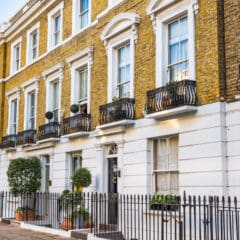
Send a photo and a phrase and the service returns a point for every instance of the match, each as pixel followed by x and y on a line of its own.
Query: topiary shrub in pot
pixel 24 178
pixel 74 108
pixel 49 115
pixel 82 178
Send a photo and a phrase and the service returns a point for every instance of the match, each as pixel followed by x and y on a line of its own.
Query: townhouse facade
pixel 135 91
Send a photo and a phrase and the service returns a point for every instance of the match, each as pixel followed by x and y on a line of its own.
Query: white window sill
pixel 54 47
pixel 174 112
pixel 116 124
pixel 76 135
pixel 48 140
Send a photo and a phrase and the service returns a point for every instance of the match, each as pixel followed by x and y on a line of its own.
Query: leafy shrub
pixel 24 175
pixel 82 177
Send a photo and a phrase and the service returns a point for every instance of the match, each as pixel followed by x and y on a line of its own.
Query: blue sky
pixel 9 7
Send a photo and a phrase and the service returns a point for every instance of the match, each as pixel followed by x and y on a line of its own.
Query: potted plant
pixel 25 213
pixel 24 177
pixel 164 202
pixel 81 178
pixel 49 115
pixel 74 213
pixel 74 108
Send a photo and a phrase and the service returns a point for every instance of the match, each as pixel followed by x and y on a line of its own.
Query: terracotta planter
pixel 25 216
pixel 67 224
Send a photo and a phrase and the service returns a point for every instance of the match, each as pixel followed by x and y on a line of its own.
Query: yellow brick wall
pixel 207 57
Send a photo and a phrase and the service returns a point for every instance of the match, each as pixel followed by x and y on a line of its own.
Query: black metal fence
pixel 130 217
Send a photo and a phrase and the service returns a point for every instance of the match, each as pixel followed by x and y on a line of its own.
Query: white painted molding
pixel 88 51
pixel 2 80
pixel 16 90
pixel 120 23
pixel 33 81
pixel 156 6
pixel 58 67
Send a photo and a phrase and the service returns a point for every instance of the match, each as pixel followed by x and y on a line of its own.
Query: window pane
pixel 13 117
pixel 162 183
pixel 161 159
pixel 84 5
pixel 84 20
pixel 184 49
pixel 174 183
pixel 57 23
pixel 76 161
pixel 57 26
pixel 183 26
pixel 83 76
pixel 173 31
pixel 173 53
pixel 173 153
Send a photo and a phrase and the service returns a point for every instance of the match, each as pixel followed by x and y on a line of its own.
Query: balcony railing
pixel 77 123
pixel 49 130
pixel 119 110
pixel 171 96
pixel 8 141
pixel 26 137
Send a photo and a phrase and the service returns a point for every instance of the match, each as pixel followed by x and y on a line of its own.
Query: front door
pixel 112 190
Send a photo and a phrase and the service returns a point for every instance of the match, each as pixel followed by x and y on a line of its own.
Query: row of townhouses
pixel 143 93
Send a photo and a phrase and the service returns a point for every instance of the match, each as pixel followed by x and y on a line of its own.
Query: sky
pixel 9 7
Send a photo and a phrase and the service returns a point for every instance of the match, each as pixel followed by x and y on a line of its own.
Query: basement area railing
pixel 118 217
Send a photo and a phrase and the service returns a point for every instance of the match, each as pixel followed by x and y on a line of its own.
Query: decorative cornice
pixel 14 91
pixel 120 23
pixel 33 81
pixel 88 51
pixel 156 6
pixel 58 67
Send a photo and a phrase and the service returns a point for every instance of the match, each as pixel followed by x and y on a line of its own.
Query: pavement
pixel 13 232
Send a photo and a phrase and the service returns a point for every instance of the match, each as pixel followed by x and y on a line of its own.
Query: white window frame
pixel 82 59
pixel 28 87
pixel 161 21
pixel 15 44
pixel 76 24
pixel 52 75
pixel 30 32
pixel 114 37
pixel 164 171
pixel 12 96
pixel 58 10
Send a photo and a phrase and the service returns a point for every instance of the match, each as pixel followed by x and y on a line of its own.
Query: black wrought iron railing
pixel 8 141
pixel 77 123
pixel 118 217
pixel 118 110
pixel 26 137
pixel 49 130
pixel 171 96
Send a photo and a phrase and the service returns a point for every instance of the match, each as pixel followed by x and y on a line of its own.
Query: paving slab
pixel 12 232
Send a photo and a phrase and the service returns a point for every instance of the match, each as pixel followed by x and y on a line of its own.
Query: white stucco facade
pixel 208 153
